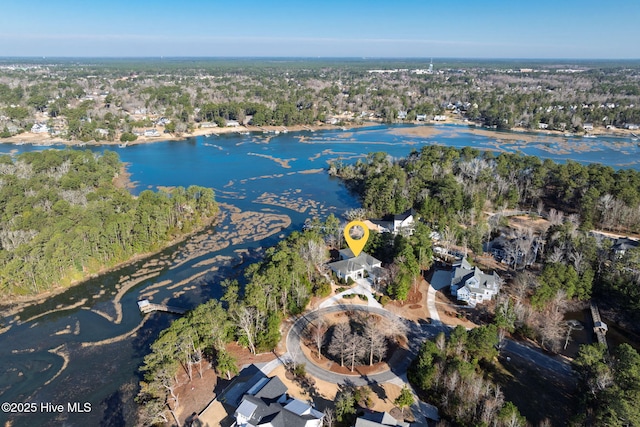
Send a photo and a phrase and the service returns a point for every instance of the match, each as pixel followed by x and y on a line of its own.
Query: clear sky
pixel 346 28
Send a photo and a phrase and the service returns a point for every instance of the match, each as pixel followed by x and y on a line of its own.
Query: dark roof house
pixel 265 403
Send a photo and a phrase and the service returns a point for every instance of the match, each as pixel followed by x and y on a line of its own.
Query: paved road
pixel 417 334
pixel 542 360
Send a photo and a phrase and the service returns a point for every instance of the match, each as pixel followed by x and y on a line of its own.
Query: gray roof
pixel 362 261
pixel 379 419
pixel 241 384
pixel 274 413
pixel 463 271
pixel 625 243
pixel 274 389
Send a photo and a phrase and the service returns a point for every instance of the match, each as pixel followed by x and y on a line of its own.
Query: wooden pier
pixel 599 327
pixel 147 307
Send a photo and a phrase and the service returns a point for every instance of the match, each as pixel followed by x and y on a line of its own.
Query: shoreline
pixel 420 129
pixel 11 305
pixel 46 140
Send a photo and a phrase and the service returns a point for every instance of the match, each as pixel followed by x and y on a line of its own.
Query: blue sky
pixel 426 28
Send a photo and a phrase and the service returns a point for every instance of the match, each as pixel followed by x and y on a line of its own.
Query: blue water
pixel 236 166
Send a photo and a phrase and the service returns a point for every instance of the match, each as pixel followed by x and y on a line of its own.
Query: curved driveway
pixel 416 334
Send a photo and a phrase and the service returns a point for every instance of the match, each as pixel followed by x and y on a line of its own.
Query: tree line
pixel 249 313
pixel 62 218
pixel 450 373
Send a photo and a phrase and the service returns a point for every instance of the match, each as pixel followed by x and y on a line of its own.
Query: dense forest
pixel 610 386
pixel 62 218
pixel 448 372
pixel 465 195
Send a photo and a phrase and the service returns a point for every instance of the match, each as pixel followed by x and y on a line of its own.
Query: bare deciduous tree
pixel 245 318
pixel 318 329
pixel 338 345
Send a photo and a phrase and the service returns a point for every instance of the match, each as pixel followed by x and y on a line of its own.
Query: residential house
pixel 331 120
pixel 587 126
pixel 379 419
pixel 631 126
pixel 472 285
pixel 259 401
pixel 622 245
pixel 151 132
pixel 232 123
pixel 401 223
pixel 402 115
pixel 543 125
pixel 40 128
pixel 421 117
pixel 350 267
pixel 440 118
pixel 404 222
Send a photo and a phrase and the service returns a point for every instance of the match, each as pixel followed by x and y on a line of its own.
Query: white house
pixel 421 117
pixel 40 128
pixel 472 285
pixel 401 223
pixel 402 115
pixel 350 267
pixel 587 126
pixel 232 123
pixel 151 132
pixel 440 118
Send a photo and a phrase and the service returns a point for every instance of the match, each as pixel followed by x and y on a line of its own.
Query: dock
pixel 147 307
pixel 599 327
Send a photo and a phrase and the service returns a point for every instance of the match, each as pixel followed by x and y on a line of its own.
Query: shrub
pixel 384 300
pixel 300 370
pixel 128 137
pixel 323 290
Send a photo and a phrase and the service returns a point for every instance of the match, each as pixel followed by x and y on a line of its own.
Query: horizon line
pixel 352 57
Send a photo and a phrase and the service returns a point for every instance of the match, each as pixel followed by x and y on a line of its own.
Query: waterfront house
pixel 439 118
pixel 543 125
pixel 471 285
pixel 421 117
pixel 151 132
pixel 40 128
pixel 350 267
pixel 232 123
pixel 402 115
pixel 587 126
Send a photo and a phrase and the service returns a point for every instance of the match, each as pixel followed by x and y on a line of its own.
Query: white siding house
pixel 472 285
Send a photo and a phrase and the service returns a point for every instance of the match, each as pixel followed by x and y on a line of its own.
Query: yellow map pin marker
pixel 356 245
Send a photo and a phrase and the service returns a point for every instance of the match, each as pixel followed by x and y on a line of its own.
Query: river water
pixel 85 345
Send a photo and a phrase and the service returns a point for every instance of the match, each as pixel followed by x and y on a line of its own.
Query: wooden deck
pixel 147 307
pixel 599 327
